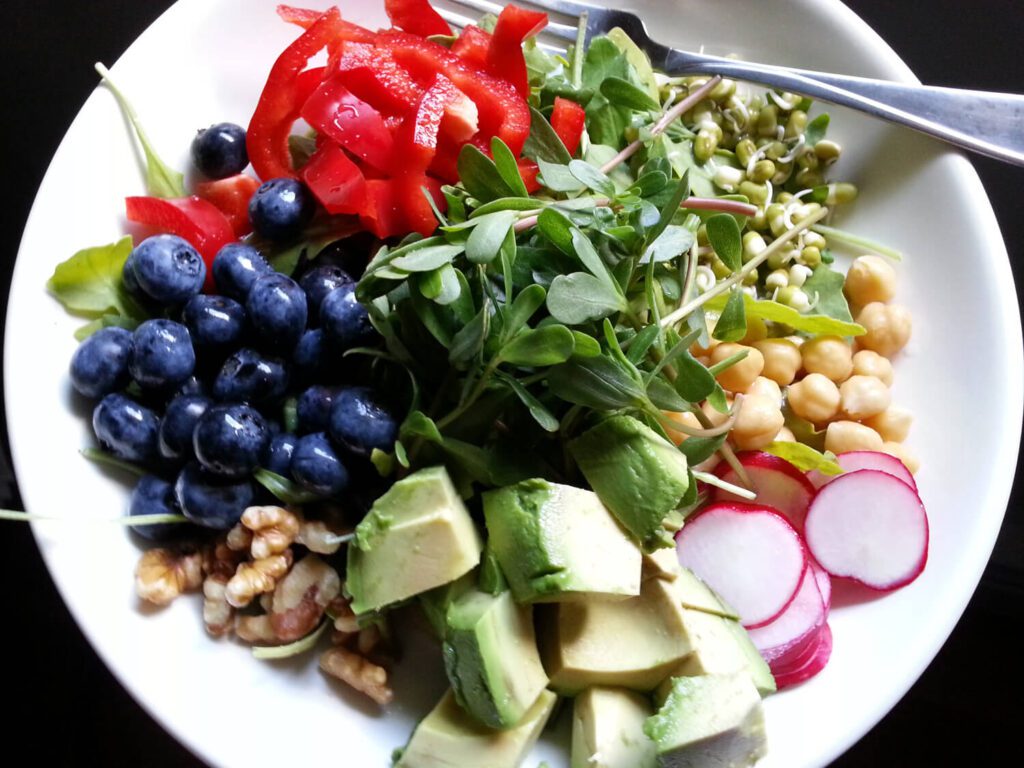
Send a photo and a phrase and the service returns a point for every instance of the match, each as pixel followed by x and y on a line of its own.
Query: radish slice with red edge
pixel 824 582
pixel 778 484
pixel 871 527
pixel 852 461
pixel 811 665
pixel 748 554
pixel 794 626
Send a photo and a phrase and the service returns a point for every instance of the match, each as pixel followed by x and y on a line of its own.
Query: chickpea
pixel 785 435
pixel 684 417
pixel 757 424
pixel 830 356
pixel 868 363
pixel 869 279
pixel 863 396
pixel 893 424
pixel 766 388
pixel 698 351
pixel 843 436
pixel 712 413
pixel 781 359
pixel 815 398
pixel 900 451
pixel 888 328
pixel 740 376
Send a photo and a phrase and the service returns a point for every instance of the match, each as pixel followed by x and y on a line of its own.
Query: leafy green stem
pixel 473 396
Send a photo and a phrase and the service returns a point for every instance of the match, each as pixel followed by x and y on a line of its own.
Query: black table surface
pixel 66 708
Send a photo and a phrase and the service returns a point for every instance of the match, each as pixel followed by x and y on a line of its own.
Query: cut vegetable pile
pixel 546 353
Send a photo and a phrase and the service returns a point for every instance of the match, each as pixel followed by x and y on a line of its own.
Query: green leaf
pixel 282 488
pixel 603 60
pixel 825 289
pixel 804 458
pixel 480 177
pixel 522 308
pixel 623 93
pixel 468 342
pixel 543 143
pixel 717 399
pixel 579 298
pixel 815 130
pixel 586 345
pixel 540 347
pixel 558 178
pixel 698 449
pixel 556 227
pixel 804 431
pixel 418 424
pixel 592 177
pixel 587 253
pixel 105 321
pixel 487 236
pixel 668 212
pixel 650 183
pixel 90 284
pixel 161 179
pixel 664 396
pixel 694 382
pixel 732 323
pixel 540 414
pixel 642 342
pixel 508 167
pixel 504 204
pixel 451 288
pixel 724 236
pixel 598 382
pixel 427 259
pixel 637 59
pixel 766 309
pixel 383 462
pixel 100 456
pixel 671 243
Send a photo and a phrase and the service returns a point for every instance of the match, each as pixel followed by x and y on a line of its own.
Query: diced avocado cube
pixel 492 580
pixel 635 643
pixel 713 720
pixel 434 603
pixel 555 542
pixel 661 564
pixel 692 592
pixel 639 475
pixel 491 656
pixel 448 737
pixel 416 537
pixel 608 730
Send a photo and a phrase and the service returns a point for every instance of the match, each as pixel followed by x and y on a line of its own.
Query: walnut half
pixel 301 597
pixel 358 672
pixel 162 574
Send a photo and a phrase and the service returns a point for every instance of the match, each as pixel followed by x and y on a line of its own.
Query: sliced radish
pixel 871 527
pixel 824 582
pixel 748 554
pixel 811 664
pixel 851 461
pixel 778 484
pixel 794 626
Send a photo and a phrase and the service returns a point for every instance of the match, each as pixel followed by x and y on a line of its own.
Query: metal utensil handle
pixel 988 123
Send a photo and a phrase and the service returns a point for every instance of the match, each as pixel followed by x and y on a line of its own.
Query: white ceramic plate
pixel 205 61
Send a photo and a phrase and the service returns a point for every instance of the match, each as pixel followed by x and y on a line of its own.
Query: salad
pixel 547 355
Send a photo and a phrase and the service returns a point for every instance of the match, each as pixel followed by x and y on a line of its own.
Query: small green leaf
pixel 487 236
pixel 108 459
pixel 90 284
pixel 664 396
pixel 540 414
pixel 451 288
pixel 105 321
pixel 586 345
pixel 468 342
pixel 507 167
pixel 639 60
pixel 804 458
pixel 427 259
pixel 504 204
pixel 671 243
pixel 668 212
pixel 480 177
pixel 540 347
pixel 543 143
pixel 623 93
pixel 724 236
pixel 592 177
pixel 642 342
pixel 522 308
pixel 556 227
pixel 698 449
pixel 587 253
pixel 418 424
pixel 603 60
pixel 383 462
pixel 558 178
pixel 816 129
pixel 766 309
pixel 598 382
pixel 732 323
pixel 825 289
pixel 579 298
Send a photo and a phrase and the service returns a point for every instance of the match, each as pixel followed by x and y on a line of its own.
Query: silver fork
pixel 981 121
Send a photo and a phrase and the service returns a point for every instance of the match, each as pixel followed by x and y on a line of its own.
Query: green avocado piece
pixel 417 536
pixel 641 477
pixel 491 657
pixel 712 720
pixel 692 592
pixel 556 543
pixel 434 603
pixel 608 730
pixel 449 738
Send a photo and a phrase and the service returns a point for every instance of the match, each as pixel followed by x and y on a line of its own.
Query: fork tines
pixel 572 10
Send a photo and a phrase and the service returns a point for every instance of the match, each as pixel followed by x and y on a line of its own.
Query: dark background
pixel 968 706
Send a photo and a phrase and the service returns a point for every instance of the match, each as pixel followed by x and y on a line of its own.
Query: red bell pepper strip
pixel 529 171
pixel 375 77
pixel 417 138
pixel 191 218
pixel 417 17
pixel 281 100
pixel 472 45
pixel 568 119
pixel 231 197
pixel 398 206
pixel 335 180
pixel 505 55
pixel 335 112
pixel 304 17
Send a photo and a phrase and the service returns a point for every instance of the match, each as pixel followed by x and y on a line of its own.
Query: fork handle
pixel 981 121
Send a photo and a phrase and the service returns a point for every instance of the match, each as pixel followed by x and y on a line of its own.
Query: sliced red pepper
pixel 529 171
pixel 568 119
pixel 231 197
pixel 192 218
pixel 335 180
pixel 375 77
pixel 398 206
pixel 417 17
pixel 472 45
pixel 417 140
pixel 304 17
pixel 505 55
pixel 281 100
pixel 334 111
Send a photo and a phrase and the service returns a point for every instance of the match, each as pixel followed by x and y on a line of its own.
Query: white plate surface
pixel 203 62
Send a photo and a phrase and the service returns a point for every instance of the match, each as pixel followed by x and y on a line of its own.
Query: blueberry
pixel 168 269
pixel 277 310
pixel 230 440
pixel 162 356
pixel 178 424
pixel 154 496
pixel 361 423
pixel 193 385
pixel 249 377
pixel 316 466
pixel 344 318
pixel 235 269
pixel 126 429
pixel 100 364
pixel 214 322
pixel 320 281
pixel 219 151
pixel 281 208
pixel 211 501
pixel 313 408
pixel 278 458
pixel 312 356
